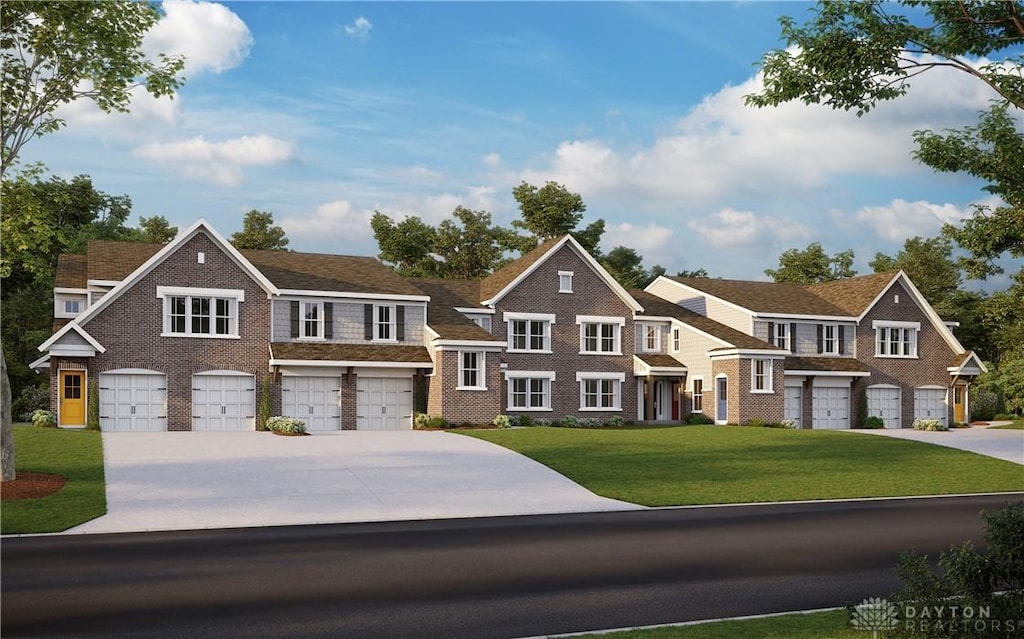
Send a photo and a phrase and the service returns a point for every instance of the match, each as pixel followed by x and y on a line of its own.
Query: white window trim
pixel 303 309
pixel 643 338
pixel 549 320
pixel 392 324
pixel 234 296
pixel 618 378
pixel 768 374
pixel 824 338
pixel 787 339
pixel 676 339
pixel 597 320
pixel 546 375
pixel 693 393
pixel 60 301
pixel 562 275
pixel 481 370
pixel 483 321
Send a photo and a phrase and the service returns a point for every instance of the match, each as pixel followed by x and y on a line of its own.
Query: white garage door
pixel 930 403
pixel 884 402
pixel 223 400
pixel 384 403
pixel 315 400
pixel 831 407
pixel 794 404
pixel 133 401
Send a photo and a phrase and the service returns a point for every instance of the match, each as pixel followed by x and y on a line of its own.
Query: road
pixel 473 578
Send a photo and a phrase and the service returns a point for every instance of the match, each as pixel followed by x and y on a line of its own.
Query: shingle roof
pixel 655 306
pixel 72 271
pixel 322 272
pixel 350 352
pixel 853 295
pixel 496 281
pixel 109 260
pixel 660 360
pixel 442 317
pixel 839 364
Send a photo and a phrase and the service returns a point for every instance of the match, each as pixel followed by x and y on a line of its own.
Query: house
pixel 865 346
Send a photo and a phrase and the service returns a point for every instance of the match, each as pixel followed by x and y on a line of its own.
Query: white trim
pixel 768 374
pixel 931 387
pixel 221 373
pixel 103 283
pixel 597 320
pixel 71 291
pixel 346 363
pixel 564 274
pixel 517 374
pixel 186 291
pixel 474 309
pixel 547 318
pixel 73 325
pixel 207 336
pixel 38 364
pixel 894 324
pixel 693 393
pixel 677 338
pixel 829 373
pixel 645 328
pixel 600 319
pixel 620 378
pixel 969 355
pixel 507 316
pixel 548 376
pixel 454 344
pixel 581 375
pixel 923 304
pixel 133 371
pixel 882 386
pixel 749 352
pixel 481 371
pixel 295 292
pixel 813 318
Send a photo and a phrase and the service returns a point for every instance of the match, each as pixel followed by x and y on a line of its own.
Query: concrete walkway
pixel 181 481
pixel 1001 444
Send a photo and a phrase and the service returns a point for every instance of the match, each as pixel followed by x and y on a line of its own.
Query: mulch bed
pixel 31 486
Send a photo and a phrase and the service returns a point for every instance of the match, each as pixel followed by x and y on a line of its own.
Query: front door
pixel 72 398
pixel 662 399
pixel 958 404
pixel 722 399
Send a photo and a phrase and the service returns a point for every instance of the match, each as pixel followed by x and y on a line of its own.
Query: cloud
pixel 209 35
pixel 338 219
pixel 143 108
pixel 219 162
pixel 732 229
pixel 900 219
pixel 360 29
pixel 652 241
pixel 491 160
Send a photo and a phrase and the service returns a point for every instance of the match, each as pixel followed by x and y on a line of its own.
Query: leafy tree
pixel 405 245
pixel 258 232
pixel 812 266
pixel 701 272
pixel 152 230
pixel 626 266
pixel 854 53
pixel 1003 316
pixel 552 211
pixel 929 264
pixel 54 53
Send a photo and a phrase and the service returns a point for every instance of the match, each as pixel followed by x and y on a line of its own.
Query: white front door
pixel 930 403
pixel 722 400
pixel 314 400
pixel 793 410
pixel 662 400
pixel 830 407
pixel 135 401
pixel 384 403
pixel 885 402
pixel 223 401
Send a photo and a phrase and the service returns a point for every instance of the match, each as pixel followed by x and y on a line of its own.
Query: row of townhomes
pixel 187 335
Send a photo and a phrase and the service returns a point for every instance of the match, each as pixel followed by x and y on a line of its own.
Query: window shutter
pixel 771 333
pixel 842 344
pixel 792 337
pixel 821 339
pixel 400 323
pixel 328 320
pixel 368 321
pixel 295 318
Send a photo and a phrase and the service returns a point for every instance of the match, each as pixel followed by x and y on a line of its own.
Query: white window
pixel 830 339
pixel 782 336
pixel 675 340
pixel 565 281
pixel 72 307
pixel 599 337
pixel 761 376
pixel 312 320
pixel 384 323
pixel 530 335
pixel 200 316
pixel 698 395
pixel 530 391
pixel 650 338
pixel 600 394
pixel 896 339
pixel 483 321
pixel 471 370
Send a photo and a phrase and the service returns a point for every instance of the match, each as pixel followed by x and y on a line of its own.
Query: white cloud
pixel 652 241
pixel 143 108
pixel 900 219
pixel 219 162
pixel 338 219
pixel 360 29
pixel 491 160
pixel 209 35
pixel 732 229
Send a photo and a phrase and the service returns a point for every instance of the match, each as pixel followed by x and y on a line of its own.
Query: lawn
pixel 682 465
pixel 78 456
pixel 1018 424
pixel 833 624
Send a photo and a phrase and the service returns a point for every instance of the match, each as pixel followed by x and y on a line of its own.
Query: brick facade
pixel 465 406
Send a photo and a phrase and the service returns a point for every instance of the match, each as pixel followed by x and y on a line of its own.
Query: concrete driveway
pixel 1001 444
pixel 181 481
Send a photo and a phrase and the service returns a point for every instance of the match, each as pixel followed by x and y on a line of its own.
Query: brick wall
pixel 767 406
pixel 731 368
pixel 459 406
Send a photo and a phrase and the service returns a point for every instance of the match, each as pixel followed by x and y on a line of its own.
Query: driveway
pixel 1001 444
pixel 181 481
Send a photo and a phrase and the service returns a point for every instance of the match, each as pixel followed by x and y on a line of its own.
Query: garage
pixel 133 400
pixel 930 403
pixel 884 401
pixel 315 400
pixel 793 410
pixel 831 407
pixel 223 400
pixel 384 403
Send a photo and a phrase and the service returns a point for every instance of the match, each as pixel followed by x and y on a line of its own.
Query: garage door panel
pixel 315 400
pixel 223 402
pixel 830 407
pixel 930 403
pixel 887 404
pixel 135 401
pixel 793 410
pixel 384 403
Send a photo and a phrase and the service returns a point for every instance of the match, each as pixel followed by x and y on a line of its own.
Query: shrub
pixel 755 422
pixel 694 419
pixel 615 421
pixel 92 413
pixel 1004 417
pixel 286 425
pixel 421 420
pixel 543 421
pixel 440 422
pixel 873 421
pixel 929 424
pixel 31 399
pixel 502 421
pixel 526 420
pixel 984 405
pixel 44 419
pixel 264 409
pixel 515 421
pixel 568 422
pixel 787 423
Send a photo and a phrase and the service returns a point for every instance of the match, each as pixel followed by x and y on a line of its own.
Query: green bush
pixel 985 405
pixel 263 412
pixel 873 421
pixel 929 424
pixel 92 414
pixel 755 422
pixel 502 421
pixel 1003 417
pixel 31 399
pixel 421 420
pixel 437 422
pixel 286 425
pixel 615 421
pixel 695 419
pixel 44 419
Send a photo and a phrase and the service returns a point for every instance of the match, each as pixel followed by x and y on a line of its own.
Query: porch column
pixel 649 398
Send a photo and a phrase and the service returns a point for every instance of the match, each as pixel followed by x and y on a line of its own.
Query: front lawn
pixel 1017 424
pixel 74 454
pixel 833 624
pixel 683 465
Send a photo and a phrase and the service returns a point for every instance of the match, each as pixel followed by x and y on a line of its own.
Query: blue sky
pixel 324 112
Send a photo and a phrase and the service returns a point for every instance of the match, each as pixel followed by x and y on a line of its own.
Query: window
pixel 697 396
pixel 483 321
pixel 896 339
pixel 830 337
pixel 675 340
pixel 471 370
pixel 384 323
pixel 178 314
pixel 599 338
pixel 201 315
pixel 222 316
pixel 761 376
pixel 529 393
pixel 565 281
pixel 650 338
pixel 72 307
pixel 312 320
pixel 530 335
pixel 599 394
pixel 778 335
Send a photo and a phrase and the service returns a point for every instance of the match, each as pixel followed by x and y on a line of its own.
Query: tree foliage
pixel 259 233
pixel 553 211
pixel 812 266
pixel 54 53
pixel 626 266
pixel 929 264
pixel 152 230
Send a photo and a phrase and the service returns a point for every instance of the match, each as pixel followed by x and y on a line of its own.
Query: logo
pixel 875 614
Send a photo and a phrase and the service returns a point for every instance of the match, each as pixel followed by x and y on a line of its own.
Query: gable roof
pixel 854 295
pixel 445 297
pixel 71 271
pixel 497 281
pixel 114 261
pixel 335 273
pixel 764 297
pixel 657 307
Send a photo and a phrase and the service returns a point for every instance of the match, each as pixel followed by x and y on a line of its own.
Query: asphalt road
pixel 473 578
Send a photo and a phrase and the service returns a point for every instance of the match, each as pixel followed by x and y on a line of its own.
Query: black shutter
pixel 771 333
pixel 368 321
pixel 842 345
pixel 821 339
pixel 328 320
pixel 400 323
pixel 792 337
pixel 295 318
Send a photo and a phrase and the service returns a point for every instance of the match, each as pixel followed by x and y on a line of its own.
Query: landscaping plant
pixel 286 425
pixel 44 419
pixel 929 424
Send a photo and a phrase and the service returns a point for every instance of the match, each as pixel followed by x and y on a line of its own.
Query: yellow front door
pixel 958 404
pixel 72 398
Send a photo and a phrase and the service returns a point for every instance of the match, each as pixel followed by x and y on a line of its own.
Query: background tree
pixel 697 273
pixel 626 266
pixel 54 53
pixel 812 265
pixel 851 54
pixel 929 264
pixel 552 211
pixel 405 246
pixel 473 248
pixel 152 230
pixel 259 233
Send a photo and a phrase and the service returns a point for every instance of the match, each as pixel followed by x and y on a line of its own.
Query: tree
pixel 626 266
pixel 701 272
pixel 7 472
pixel 152 230
pixel 812 266
pixel 406 246
pixel 55 53
pixel 552 211
pixel 854 53
pixel 259 233
pixel 929 264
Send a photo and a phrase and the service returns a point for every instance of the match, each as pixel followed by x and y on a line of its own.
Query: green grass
pixel 833 624
pixel 682 465
pixel 78 456
pixel 1018 424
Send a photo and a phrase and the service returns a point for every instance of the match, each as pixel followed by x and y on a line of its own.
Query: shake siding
pixel 665 332
pixel 348 321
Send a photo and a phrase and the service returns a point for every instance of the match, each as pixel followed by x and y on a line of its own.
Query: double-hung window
pixel 529 332
pixel 650 338
pixel 761 376
pixel 697 397
pixel 896 339
pixel 384 323
pixel 600 391
pixel 600 335
pixel 471 370
pixel 830 339
pixel 675 340
pixel 312 320
pixel 200 312
pixel 782 336
pixel 529 391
